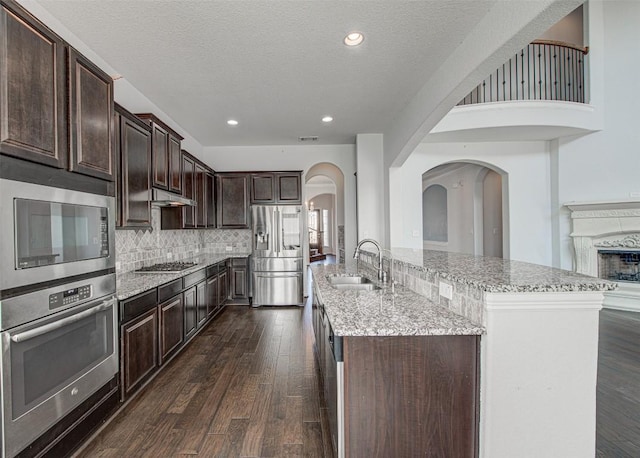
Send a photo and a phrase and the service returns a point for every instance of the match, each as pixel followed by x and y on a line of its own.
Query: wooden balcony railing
pixel 544 70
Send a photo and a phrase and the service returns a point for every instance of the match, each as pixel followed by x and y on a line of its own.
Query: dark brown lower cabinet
pixel 212 294
pixel 171 326
pixel 139 351
pixel 202 301
pixel 239 281
pixel 190 312
pixel 411 396
pixel 223 287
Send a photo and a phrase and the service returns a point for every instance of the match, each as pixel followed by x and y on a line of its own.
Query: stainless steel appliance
pixel 51 233
pixel 277 255
pixel 59 346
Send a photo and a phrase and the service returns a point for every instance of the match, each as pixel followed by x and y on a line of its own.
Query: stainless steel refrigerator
pixel 277 254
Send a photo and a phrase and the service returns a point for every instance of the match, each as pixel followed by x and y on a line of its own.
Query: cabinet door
pixel 210 198
pixel 160 156
pixel 171 326
pixel 201 214
pixel 223 288
pixel 202 302
pixel 289 188
pixel 188 191
pixel 91 114
pixel 190 312
pixel 330 385
pixel 175 165
pixel 233 200
pixel 139 340
pixel 212 295
pixel 263 190
pixel 134 180
pixel 33 106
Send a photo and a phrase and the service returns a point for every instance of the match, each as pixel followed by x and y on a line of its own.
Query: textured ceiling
pixel 277 67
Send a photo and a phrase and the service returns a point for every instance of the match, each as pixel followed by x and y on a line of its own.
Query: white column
pixel 371 186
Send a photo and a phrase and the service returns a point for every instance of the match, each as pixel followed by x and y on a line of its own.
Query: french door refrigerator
pixel 277 254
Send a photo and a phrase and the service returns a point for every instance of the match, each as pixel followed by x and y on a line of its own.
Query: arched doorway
pixel 324 199
pixel 464 209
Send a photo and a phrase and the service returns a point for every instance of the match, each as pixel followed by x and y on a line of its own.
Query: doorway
pixel 463 209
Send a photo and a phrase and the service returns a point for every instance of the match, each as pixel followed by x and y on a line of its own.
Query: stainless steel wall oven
pixel 58 312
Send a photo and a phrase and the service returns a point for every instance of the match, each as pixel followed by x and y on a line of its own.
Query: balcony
pixel 544 70
pixel 539 94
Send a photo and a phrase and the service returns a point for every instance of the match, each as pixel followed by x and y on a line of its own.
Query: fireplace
pixel 606 239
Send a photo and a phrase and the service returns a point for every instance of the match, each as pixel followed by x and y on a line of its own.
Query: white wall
pixel 371 191
pixel 528 221
pixel 605 165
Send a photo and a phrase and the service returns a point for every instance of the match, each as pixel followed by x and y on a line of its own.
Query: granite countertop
pixel 497 275
pixel 383 313
pixel 129 284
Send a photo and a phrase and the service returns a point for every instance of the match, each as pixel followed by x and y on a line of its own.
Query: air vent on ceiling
pixel 310 138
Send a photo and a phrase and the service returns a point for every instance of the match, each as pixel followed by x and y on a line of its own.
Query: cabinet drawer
pixel 192 279
pixel 168 290
pixel 131 308
pixel 239 262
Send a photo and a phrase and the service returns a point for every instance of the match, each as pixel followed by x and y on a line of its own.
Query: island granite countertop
pixel 128 284
pixel 383 313
pixel 497 275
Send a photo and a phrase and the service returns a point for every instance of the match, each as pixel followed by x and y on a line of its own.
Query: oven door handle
pixel 27 335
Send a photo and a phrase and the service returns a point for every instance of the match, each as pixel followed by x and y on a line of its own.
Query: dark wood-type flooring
pixel 248 385
pixel 618 404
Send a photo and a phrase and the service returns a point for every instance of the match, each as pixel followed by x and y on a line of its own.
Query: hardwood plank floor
pixel 618 390
pixel 247 385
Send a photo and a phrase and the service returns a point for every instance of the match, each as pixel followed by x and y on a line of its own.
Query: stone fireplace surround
pixel 606 225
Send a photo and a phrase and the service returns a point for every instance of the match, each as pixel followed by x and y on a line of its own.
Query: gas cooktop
pixel 166 267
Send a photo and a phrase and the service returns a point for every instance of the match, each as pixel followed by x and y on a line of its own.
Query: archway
pixel 324 186
pixel 465 209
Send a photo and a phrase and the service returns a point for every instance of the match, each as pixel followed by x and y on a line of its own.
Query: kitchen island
pixel 400 372
pixel 538 354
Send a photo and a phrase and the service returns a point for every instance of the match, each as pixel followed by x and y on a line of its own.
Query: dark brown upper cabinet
pixel 232 200
pixel 210 197
pixel 276 188
pixel 288 187
pixel 56 106
pixel 33 111
pixel 263 190
pixel 201 198
pixel 189 191
pixel 166 157
pixel 91 115
pixel 133 156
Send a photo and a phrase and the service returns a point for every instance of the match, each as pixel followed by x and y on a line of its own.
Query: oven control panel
pixel 70 296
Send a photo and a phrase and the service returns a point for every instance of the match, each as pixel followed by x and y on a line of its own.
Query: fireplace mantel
pixel 606 224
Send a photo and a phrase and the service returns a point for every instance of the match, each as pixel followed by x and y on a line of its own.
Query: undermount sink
pixel 357 283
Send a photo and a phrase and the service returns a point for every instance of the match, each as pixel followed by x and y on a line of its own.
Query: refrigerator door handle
pixel 276 230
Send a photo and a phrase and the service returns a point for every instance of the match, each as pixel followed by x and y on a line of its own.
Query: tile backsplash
pixel 138 248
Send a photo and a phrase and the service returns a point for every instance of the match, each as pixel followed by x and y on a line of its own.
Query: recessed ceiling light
pixel 327 119
pixel 353 39
pixel 232 122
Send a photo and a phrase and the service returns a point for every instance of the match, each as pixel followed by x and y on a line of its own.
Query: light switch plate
pixel 446 290
pixel 228 248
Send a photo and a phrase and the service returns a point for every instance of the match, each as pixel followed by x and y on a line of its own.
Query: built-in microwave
pixel 49 234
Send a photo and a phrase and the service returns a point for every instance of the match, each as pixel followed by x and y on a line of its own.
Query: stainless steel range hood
pixel 162 198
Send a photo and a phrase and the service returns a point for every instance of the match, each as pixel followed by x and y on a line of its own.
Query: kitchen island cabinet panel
pixel 33 113
pixel 91 114
pixel 427 384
